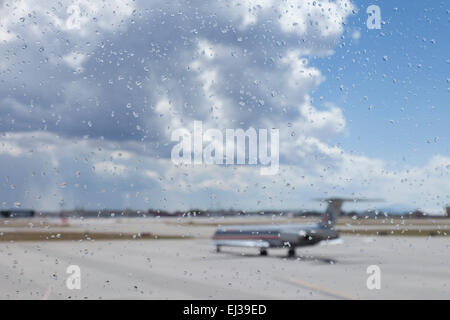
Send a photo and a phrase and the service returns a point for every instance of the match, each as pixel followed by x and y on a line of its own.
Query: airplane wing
pixel 243 243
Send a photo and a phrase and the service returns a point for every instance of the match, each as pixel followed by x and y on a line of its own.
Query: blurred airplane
pixel 287 236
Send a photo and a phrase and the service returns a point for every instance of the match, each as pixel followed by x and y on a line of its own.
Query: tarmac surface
pixel 411 268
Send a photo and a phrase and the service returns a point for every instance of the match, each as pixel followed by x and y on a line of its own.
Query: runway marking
pixel 327 291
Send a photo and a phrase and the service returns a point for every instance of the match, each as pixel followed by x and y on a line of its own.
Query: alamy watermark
pixel 374 18
pixel 250 147
pixel 74 280
pixel 374 278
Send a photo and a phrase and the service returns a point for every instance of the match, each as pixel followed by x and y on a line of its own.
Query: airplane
pixel 288 236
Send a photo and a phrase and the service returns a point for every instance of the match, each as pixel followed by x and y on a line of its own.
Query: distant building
pixel 17 213
pixel 417 214
pixel 448 211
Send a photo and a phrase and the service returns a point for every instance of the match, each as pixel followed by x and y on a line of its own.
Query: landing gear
pixel 291 252
pixel 262 252
pixel 217 248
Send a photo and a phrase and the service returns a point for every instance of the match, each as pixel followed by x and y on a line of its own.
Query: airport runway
pixel 411 268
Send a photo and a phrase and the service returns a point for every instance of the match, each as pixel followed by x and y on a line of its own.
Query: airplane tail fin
pixel 333 210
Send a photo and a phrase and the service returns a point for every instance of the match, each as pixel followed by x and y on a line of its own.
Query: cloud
pixel 97 173
pixel 130 70
pixel 92 90
pixel 75 61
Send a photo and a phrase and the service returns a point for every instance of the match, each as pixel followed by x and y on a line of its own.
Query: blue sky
pixel 410 88
pixel 91 92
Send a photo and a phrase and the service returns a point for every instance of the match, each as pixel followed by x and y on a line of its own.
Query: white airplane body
pixel 287 236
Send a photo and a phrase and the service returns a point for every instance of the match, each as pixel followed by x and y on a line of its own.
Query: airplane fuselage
pixel 288 236
pixel 273 236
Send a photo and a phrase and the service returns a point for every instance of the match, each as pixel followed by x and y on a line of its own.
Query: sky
pixel 91 91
